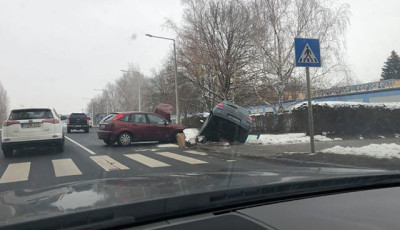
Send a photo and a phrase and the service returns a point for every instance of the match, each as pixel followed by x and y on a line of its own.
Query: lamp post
pixel 178 117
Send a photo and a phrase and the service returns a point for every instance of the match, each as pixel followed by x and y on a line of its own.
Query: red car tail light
pixel 68 120
pixel 52 120
pixel 10 122
pixel 220 105
pixel 249 118
pixel 119 116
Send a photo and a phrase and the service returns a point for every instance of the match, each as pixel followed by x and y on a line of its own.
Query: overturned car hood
pixel 28 204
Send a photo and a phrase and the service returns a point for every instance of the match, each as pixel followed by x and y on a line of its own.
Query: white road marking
pixel 88 150
pixel 178 157
pixel 107 163
pixel 65 167
pixel 16 172
pixel 167 146
pixel 230 160
pixel 196 152
pixel 147 160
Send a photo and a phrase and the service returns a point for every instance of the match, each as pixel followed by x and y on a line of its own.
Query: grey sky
pixel 54 53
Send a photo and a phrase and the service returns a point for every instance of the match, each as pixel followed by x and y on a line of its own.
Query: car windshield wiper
pixel 213 201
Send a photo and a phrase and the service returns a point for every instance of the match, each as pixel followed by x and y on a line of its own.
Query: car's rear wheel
pixel 68 130
pixel 109 142
pixel 60 147
pixel 86 130
pixel 124 139
pixel 8 152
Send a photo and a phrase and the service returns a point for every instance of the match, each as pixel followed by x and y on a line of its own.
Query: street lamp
pixel 178 117
pixel 140 86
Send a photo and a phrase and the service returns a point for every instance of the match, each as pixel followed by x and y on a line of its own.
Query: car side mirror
pixel 63 118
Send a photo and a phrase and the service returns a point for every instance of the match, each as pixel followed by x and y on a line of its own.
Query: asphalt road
pixel 88 158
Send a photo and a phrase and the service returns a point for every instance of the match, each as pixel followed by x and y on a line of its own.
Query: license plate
pixel 234 118
pixel 78 126
pixel 102 126
pixel 30 125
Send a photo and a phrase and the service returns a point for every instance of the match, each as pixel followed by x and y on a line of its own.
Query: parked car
pixel 31 128
pixel 78 121
pixel 227 121
pixel 126 127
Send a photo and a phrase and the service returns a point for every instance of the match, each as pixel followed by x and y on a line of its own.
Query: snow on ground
pixel 380 151
pixel 190 133
pixel 335 104
pixel 288 138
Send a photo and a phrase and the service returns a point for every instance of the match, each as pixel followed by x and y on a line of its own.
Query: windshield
pixel 158 99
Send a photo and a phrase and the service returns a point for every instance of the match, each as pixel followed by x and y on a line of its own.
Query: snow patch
pixel 190 134
pixel 288 138
pixel 382 137
pixel 380 151
pixel 337 104
pixel 337 139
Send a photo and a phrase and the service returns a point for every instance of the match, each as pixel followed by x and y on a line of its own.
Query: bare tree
pixel 4 104
pixel 275 24
pixel 214 48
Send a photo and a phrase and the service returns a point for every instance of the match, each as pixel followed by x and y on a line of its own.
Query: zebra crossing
pixel 18 172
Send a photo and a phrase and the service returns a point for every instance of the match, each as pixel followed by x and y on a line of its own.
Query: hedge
pixel 346 118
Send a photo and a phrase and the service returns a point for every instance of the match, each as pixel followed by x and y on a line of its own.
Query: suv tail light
pixel 220 105
pixel 52 120
pixel 119 116
pixel 10 122
pixel 249 118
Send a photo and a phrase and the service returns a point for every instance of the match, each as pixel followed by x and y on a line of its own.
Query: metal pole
pixel 92 114
pixel 140 97
pixel 178 117
pixel 310 111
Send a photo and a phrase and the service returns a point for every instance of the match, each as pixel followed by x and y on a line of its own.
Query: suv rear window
pixel 78 115
pixel 28 114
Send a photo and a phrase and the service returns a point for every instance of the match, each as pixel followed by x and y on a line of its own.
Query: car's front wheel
pixel 8 152
pixel 124 139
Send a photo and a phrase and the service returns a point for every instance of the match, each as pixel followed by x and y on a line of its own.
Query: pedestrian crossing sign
pixel 307 52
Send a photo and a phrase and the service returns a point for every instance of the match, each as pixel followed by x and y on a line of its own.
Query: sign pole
pixel 310 111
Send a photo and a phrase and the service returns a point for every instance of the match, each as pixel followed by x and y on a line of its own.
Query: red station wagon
pixel 126 127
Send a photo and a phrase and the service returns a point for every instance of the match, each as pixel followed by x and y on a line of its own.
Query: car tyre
pixel 243 137
pixel 124 139
pixel 8 152
pixel 109 142
pixel 68 130
pixel 86 130
pixel 60 146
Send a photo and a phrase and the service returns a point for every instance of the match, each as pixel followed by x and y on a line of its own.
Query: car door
pixel 159 131
pixel 139 127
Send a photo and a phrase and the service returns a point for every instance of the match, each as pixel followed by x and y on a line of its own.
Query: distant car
pixel 31 128
pixel 227 121
pixel 126 127
pixel 78 121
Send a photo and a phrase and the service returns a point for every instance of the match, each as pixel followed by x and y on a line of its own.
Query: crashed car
pixel 227 121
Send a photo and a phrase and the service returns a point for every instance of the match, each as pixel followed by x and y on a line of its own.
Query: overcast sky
pixel 54 53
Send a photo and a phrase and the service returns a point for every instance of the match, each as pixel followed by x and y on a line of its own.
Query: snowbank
pixel 337 104
pixel 190 133
pixel 381 151
pixel 288 138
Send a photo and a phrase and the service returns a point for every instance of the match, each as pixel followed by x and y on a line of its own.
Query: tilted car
pixel 126 127
pixel 227 121
pixel 31 128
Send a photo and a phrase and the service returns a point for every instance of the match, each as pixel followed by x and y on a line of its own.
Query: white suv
pixel 31 128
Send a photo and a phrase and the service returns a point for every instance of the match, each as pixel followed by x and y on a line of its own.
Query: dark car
pixel 227 121
pixel 78 121
pixel 126 127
